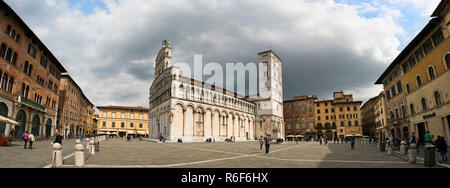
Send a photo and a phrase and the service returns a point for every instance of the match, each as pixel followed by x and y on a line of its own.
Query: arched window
pixel 14 59
pixel 17 39
pixel 408 88
pixel 13 33
pixel 437 97
pixel 4 81
pixel 8 30
pixel 424 104
pixel 30 69
pixel 8 55
pixel 419 81
pixel 10 84
pixel 412 108
pixel 3 51
pixel 25 67
pixel 431 73
pixel 447 60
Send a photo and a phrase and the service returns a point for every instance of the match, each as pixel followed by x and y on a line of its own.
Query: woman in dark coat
pixel 442 149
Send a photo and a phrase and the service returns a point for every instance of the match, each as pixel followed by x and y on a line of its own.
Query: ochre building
pixel 417 83
pixel 338 118
pixel 122 121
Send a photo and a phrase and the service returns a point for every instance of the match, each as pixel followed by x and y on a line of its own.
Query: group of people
pixel 439 143
pixel 265 141
pixel 441 146
pixel 210 140
pixel 29 138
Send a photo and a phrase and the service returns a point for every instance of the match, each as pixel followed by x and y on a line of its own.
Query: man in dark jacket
pixel 442 148
pixel 267 140
pixel 58 138
pixel 352 142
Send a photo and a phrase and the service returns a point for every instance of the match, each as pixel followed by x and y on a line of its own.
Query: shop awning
pixel 142 132
pixel 131 132
pixel 7 120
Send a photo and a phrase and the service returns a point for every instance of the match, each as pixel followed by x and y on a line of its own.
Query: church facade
pixel 192 110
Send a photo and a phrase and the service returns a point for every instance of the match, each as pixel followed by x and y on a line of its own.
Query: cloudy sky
pixel 109 46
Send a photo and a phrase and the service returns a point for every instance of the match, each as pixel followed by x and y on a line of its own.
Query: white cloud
pixel 110 53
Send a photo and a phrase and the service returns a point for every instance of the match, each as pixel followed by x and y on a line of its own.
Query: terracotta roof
pixel 260 53
pixel 124 107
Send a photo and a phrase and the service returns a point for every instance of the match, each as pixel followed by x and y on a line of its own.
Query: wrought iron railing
pixel 31 103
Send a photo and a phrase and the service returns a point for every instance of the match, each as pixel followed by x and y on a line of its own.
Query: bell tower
pixel 270 103
pixel 163 60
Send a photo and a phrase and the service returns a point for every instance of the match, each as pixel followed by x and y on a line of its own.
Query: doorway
pixel 421 131
pixel 4 113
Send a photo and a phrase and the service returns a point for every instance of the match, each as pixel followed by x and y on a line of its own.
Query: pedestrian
pixel 352 141
pixel 31 140
pixel 267 142
pixel 25 139
pixel 428 139
pixel 261 142
pixel 442 149
pixel 11 135
pixel 58 138
pixel 320 140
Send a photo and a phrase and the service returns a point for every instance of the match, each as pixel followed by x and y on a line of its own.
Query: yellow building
pixel 90 118
pixel 122 121
pixel 382 130
pixel 425 63
pixel 339 117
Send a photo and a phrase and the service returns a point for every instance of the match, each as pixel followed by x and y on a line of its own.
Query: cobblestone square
pixel 118 153
pixel 123 154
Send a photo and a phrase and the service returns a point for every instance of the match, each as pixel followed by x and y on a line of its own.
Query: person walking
pixel 261 143
pixel 11 135
pixel 58 138
pixel 267 142
pixel 25 139
pixel 442 148
pixel 31 140
pixel 428 139
pixel 352 142
pixel 321 140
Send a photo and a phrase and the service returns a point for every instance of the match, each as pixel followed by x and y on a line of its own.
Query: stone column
pixel 7 130
pixel 92 148
pixel 389 149
pixel 412 154
pixel 79 154
pixel 57 156
pixel 87 143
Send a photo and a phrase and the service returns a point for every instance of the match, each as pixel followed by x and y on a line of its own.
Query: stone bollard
pixel 97 144
pixel 79 154
pixel 92 148
pixel 57 156
pixel 403 147
pixel 87 143
pixel 412 154
pixel 389 150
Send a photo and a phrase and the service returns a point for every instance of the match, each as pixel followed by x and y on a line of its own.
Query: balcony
pixel 31 104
